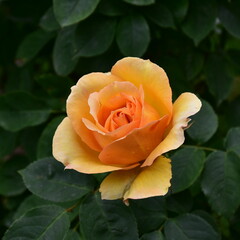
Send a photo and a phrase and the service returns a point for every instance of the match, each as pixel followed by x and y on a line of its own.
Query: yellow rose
pixel 122 122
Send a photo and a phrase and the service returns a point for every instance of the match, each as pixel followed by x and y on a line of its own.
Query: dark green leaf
pixel 160 15
pixel 200 19
pixel 178 8
pixel 30 203
pixel 62 185
pixel 187 164
pixel 44 147
pixel 133 35
pixel 63 51
pixel 102 219
pixel 94 36
pixel 140 2
pixel 113 8
pixel 205 124
pixel 47 222
pixel 48 21
pixel 31 45
pixel 157 235
pixel 189 227
pixel 233 140
pixel 218 79
pixel 220 182
pixel 150 213
pixel 7 142
pixel 229 15
pixel 11 183
pixel 69 12
pixel 20 109
pixel 72 235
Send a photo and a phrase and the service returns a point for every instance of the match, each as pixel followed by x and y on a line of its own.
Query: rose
pixel 122 122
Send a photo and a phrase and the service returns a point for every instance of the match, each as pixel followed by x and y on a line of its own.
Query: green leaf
pixel 229 15
pixel 178 8
pixel 216 72
pixel 140 2
pixel 187 165
pixel 205 123
pixel 68 12
pixel 11 183
pixel 63 51
pixel 200 19
pixel 72 235
pixel 220 182
pixel 133 35
pixel 7 142
pixel 19 110
pixel 160 15
pixel 94 36
pixel 44 147
pixel 28 204
pixel 150 213
pixel 112 8
pixel 233 140
pixel 47 222
pixel 189 227
pixel 156 235
pixel 31 45
pixel 62 185
pixel 102 219
pixel 48 21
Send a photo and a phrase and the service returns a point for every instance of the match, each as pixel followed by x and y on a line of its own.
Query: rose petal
pixel 135 184
pixel 77 104
pixel 136 146
pixel 153 78
pixel 186 105
pixel 69 149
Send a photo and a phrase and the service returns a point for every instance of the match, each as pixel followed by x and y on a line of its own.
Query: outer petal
pixel 136 146
pixel 69 149
pixel 77 104
pixel 153 79
pixel 186 105
pixel 147 182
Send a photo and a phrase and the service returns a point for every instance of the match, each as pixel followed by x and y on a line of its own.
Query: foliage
pixel 46 47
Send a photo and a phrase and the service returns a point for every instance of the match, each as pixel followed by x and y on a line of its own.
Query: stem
pixel 201 147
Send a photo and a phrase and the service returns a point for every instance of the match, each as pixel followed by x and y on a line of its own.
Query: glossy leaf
pixel 204 123
pixel 47 222
pixel 62 185
pixel 189 227
pixel 19 110
pixel 220 182
pixel 48 21
pixel 7 142
pixel 200 19
pixel 69 12
pixel 233 140
pixel 63 51
pixel 187 165
pixel 156 235
pixel 133 35
pixel 140 2
pixel 31 45
pixel 104 219
pixel 94 36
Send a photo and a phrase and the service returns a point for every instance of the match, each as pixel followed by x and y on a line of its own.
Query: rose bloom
pixel 123 122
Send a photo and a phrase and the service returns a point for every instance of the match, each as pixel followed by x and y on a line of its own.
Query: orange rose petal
pixel 77 104
pixel 152 78
pixel 69 149
pixel 135 184
pixel 186 105
pixel 136 146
